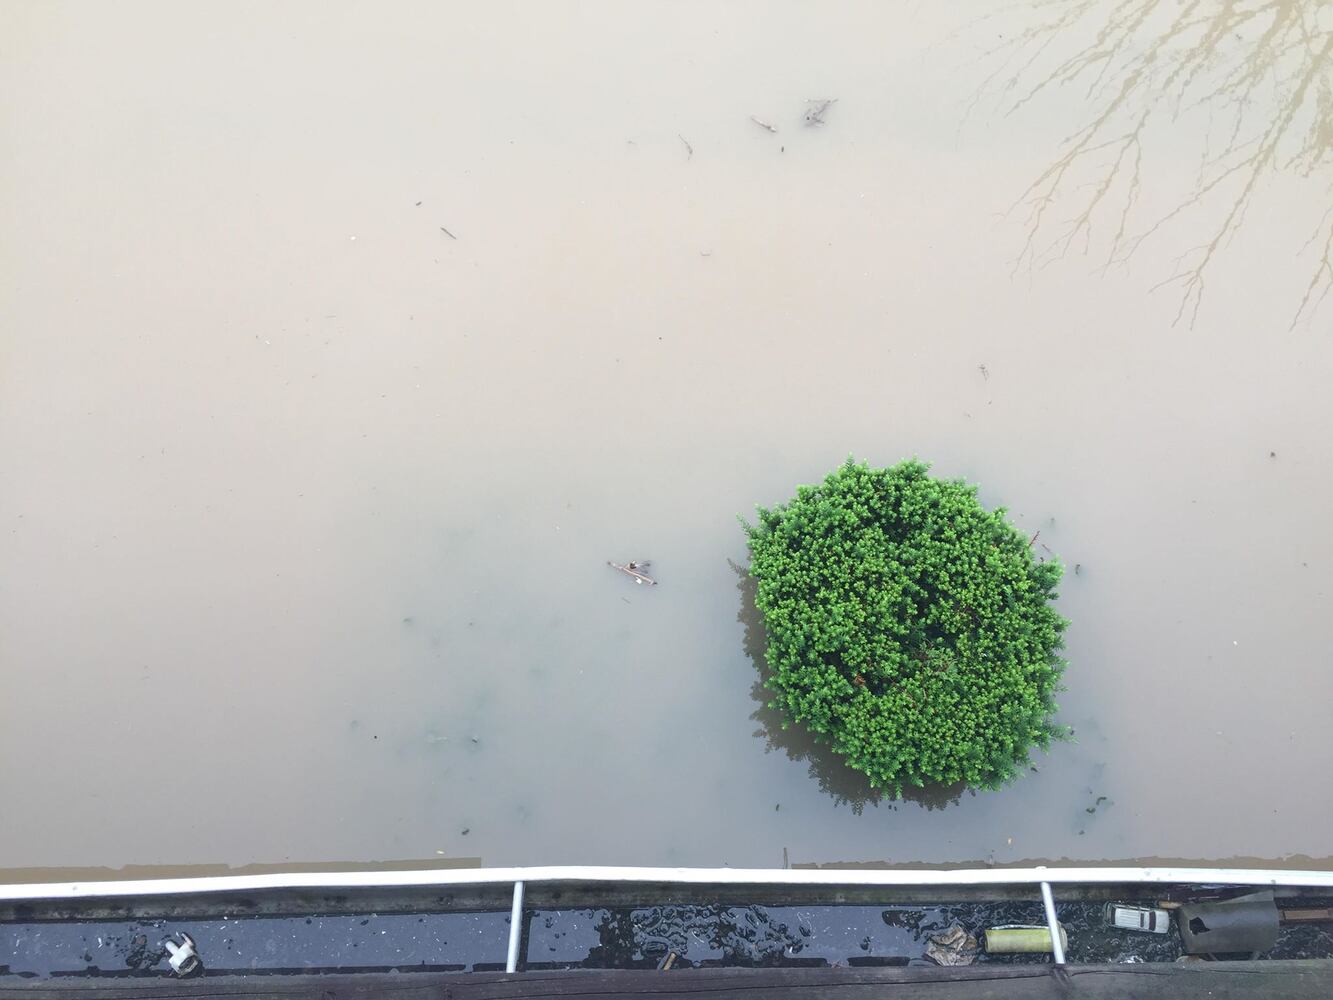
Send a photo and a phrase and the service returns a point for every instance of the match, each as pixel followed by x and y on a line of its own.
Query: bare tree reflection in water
pixel 846 785
pixel 1256 78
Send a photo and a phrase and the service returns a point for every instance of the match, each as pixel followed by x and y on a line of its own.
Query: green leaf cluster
pixel 908 626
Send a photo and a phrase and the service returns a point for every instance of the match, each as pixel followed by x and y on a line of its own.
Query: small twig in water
pixel 448 234
pixel 1033 540
pixel 634 569
pixel 689 150
pixel 764 125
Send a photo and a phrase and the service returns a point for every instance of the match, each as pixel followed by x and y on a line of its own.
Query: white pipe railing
pixel 515 929
pixel 334 880
pixel 1052 923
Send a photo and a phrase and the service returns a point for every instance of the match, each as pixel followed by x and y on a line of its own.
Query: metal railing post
pixel 516 928
pixel 1048 901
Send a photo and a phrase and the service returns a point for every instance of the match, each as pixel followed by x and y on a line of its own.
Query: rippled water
pixel 307 502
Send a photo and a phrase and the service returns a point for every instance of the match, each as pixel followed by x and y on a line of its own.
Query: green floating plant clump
pixel 909 627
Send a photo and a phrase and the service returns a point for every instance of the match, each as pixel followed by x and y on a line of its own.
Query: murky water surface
pixel 343 344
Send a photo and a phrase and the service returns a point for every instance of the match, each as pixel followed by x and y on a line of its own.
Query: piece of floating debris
pixel 1016 939
pixel 1124 916
pixel 952 947
pixel 1242 923
pixel 635 569
pixel 763 125
pixel 184 956
pixel 815 115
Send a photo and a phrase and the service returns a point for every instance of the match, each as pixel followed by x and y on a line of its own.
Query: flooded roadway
pixel 343 344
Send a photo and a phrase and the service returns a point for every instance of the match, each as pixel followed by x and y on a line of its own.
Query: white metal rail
pixel 26 892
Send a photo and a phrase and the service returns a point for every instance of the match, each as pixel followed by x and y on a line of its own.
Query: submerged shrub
pixel 908 627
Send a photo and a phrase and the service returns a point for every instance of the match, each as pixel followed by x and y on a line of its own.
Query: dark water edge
pixel 701 936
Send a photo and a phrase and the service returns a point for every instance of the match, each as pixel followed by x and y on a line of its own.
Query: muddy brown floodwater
pixel 307 502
